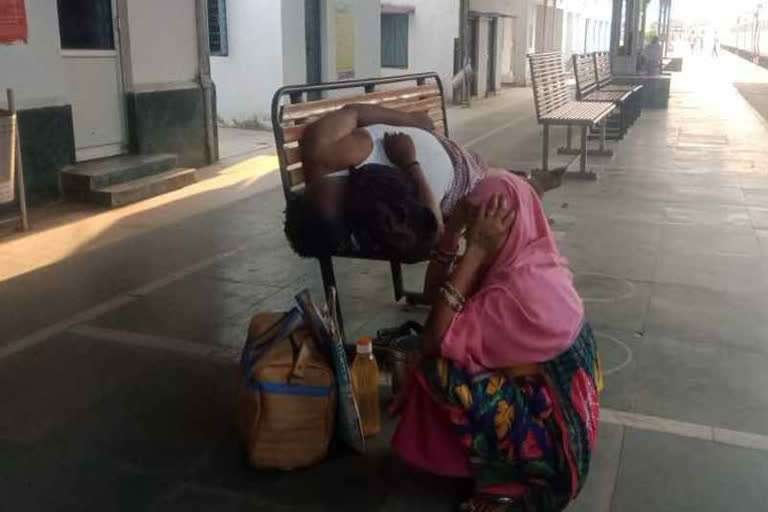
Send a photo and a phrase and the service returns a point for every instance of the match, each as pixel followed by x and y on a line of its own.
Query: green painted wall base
pixel 47 145
pixel 168 121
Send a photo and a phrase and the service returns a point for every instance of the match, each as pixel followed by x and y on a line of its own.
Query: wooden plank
pixel 292 155
pixel 296 176
pixel 320 107
pixel 294 133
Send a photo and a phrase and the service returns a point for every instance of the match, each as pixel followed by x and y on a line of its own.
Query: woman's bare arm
pixel 464 280
pixel 336 141
pixel 488 229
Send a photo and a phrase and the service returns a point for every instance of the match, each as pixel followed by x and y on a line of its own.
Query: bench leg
pixel 545 150
pixel 397 280
pixel 602 135
pixel 412 298
pixel 329 280
pixel 568 149
pixel 583 160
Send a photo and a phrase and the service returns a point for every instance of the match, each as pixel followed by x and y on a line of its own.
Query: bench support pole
pixel 329 280
pixel 397 280
pixel 545 150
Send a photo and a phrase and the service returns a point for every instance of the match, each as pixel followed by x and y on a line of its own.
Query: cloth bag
pixel 287 403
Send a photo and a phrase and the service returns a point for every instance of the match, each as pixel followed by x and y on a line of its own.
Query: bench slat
pixel 292 155
pixel 296 176
pixel 317 108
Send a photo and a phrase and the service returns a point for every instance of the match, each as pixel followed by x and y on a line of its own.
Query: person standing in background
pixel 652 54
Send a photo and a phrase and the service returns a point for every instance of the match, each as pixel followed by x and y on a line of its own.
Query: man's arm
pixel 336 140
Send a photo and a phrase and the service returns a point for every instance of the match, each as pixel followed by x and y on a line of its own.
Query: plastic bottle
pixel 365 383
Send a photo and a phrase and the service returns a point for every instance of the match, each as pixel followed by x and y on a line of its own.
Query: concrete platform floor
pixel 117 380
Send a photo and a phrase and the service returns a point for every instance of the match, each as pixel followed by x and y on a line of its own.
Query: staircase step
pixel 143 188
pixel 77 180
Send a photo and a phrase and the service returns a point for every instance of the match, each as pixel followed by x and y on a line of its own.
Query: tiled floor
pixel 118 390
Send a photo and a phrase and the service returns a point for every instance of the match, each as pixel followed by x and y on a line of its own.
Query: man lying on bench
pixel 381 182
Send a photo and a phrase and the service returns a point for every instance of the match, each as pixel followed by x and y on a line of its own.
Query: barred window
pixel 217 27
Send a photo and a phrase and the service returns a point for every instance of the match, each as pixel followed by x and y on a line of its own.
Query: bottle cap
pixel 364 345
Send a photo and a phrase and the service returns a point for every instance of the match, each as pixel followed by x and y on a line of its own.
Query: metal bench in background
pixel 604 78
pixel 555 107
pixel 587 90
pixel 294 107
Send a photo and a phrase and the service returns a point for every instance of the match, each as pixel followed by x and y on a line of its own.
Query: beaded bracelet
pixel 449 299
pixel 456 293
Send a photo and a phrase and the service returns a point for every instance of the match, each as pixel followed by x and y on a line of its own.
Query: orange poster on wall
pixel 13 21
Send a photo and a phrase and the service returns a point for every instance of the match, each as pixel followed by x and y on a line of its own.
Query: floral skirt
pixel 528 432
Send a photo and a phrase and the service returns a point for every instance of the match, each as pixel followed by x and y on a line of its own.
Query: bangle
pixel 449 299
pixel 443 257
pixel 456 293
pixel 452 297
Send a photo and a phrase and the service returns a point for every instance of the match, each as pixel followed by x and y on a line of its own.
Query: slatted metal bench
pixel 295 107
pixel 604 78
pixel 555 107
pixel 588 90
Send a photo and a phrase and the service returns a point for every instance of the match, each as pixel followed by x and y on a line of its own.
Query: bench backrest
pixel 293 109
pixel 586 78
pixel 550 89
pixel 603 73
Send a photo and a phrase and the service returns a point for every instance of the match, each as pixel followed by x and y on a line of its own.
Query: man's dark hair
pixel 383 211
pixel 310 233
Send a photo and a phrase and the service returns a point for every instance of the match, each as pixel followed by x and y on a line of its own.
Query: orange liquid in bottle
pixel 365 383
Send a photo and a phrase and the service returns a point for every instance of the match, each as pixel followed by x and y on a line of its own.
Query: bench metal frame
pixel 604 79
pixel 296 106
pixel 555 107
pixel 587 90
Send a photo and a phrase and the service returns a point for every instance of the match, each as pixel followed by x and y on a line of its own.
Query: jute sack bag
pixel 288 394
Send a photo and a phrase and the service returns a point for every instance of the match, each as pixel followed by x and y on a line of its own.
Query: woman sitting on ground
pixel 380 181
pixel 506 392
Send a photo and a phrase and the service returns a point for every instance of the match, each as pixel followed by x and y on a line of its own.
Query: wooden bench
pixel 295 107
pixel 555 107
pixel 587 90
pixel 604 78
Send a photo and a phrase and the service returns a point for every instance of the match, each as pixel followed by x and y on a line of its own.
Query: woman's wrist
pixel 475 254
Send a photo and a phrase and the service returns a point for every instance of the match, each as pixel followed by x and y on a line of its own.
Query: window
pixel 394 40
pixel 217 27
pixel 86 25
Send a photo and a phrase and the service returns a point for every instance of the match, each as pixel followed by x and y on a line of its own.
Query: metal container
pixel 397 351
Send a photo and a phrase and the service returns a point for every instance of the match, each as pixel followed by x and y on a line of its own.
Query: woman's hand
pixel 489 226
pixel 400 149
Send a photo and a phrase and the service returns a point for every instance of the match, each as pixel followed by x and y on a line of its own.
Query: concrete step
pixel 143 188
pixel 79 179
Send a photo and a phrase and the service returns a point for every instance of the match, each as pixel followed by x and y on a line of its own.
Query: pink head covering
pixel 526 309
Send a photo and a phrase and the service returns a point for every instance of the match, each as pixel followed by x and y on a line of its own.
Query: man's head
pixel 383 211
pixel 655 40
pixel 313 222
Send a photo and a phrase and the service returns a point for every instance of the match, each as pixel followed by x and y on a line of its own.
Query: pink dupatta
pixel 526 309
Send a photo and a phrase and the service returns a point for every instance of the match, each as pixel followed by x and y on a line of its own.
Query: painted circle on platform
pixel 615 355
pixel 595 287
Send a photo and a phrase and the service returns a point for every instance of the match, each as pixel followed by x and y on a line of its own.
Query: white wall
pixel 35 69
pixel 163 41
pixel 368 38
pixel 432 28
pixel 293 37
pixel 507 45
pixel 247 78
pixel 367 15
